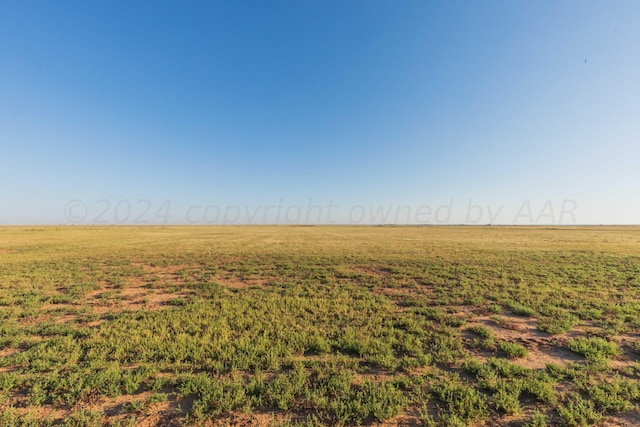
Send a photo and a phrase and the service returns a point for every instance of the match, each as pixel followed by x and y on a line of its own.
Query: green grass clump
pixel 84 418
pixel 577 411
pixel 462 404
pixel 595 349
pixel 613 396
pixel 559 323
pixel 494 308
pixel 380 401
pixel 537 419
pixel 522 310
pixel 512 349
pixel 482 331
pixel 507 399
pixel 12 417
pixel 487 338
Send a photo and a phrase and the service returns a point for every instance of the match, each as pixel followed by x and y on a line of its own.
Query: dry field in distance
pixel 319 325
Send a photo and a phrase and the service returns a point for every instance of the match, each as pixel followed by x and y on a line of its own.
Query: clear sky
pixel 242 111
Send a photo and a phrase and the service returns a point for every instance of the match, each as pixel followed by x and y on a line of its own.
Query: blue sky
pixel 110 109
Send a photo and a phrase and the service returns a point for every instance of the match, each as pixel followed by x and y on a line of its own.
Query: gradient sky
pixel 110 109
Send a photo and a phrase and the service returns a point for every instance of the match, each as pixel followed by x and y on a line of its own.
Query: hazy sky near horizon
pixel 288 111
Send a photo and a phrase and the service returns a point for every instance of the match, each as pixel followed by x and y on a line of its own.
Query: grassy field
pixel 455 326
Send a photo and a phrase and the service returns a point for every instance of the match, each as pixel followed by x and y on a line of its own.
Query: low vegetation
pixel 453 326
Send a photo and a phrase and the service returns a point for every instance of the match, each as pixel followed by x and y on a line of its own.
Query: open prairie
pixel 277 325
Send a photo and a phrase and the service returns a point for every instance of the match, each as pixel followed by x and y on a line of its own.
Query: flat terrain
pixel 124 326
